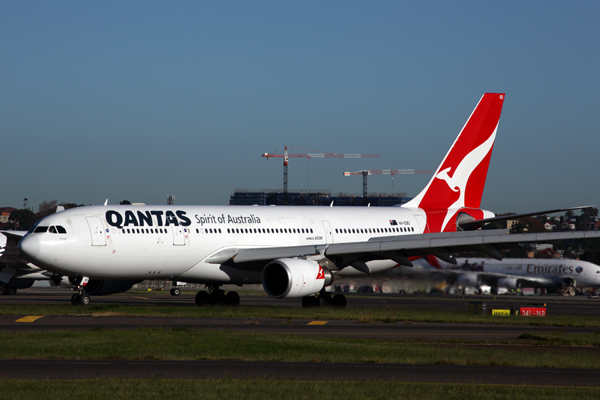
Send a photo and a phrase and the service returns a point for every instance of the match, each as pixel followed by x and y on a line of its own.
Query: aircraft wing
pixel 441 245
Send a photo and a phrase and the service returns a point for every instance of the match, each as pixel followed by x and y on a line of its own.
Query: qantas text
pixel 145 218
pixel 174 218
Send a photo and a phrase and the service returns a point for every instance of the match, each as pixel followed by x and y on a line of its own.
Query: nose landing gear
pixel 81 297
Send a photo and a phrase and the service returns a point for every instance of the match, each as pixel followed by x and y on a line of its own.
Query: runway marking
pixel 317 322
pixel 29 318
pixel 143 298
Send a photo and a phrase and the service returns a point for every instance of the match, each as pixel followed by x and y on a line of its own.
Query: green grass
pixel 365 315
pixel 148 389
pixel 193 344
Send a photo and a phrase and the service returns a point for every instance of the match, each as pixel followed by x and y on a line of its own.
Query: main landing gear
pixel 323 298
pixel 7 289
pixel 217 296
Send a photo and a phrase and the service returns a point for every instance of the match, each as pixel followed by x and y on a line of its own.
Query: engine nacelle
pixel 468 279
pixel 293 277
pixel 103 288
pixel 508 283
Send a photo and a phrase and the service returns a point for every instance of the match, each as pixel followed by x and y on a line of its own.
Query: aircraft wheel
pixel 339 300
pixel 232 298
pixel 84 300
pixel 2 289
pixel 75 299
pixel 11 290
pixel 175 292
pixel 201 298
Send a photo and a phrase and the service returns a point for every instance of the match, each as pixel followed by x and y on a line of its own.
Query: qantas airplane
pixel 295 252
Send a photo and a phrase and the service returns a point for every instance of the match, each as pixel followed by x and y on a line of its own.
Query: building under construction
pixel 265 197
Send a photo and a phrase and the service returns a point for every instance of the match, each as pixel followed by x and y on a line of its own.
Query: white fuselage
pixel 174 242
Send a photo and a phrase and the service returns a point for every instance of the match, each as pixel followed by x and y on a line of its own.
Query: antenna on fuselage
pixel 106 203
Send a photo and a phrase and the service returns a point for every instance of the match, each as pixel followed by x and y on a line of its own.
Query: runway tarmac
pixel 333 328
pixel 357 372
pixel 83 369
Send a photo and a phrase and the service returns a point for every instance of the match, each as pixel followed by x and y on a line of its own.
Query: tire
pixel 202 298
pixel 12 290
pixel 75 299
pixel 2 289
pixel 175 292
pixel 84 300
pixel 232 299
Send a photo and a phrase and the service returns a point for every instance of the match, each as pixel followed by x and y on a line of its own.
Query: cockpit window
pixel 55 229
pixel 40 229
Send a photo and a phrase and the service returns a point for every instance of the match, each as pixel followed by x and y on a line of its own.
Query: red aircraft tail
pixel 457 185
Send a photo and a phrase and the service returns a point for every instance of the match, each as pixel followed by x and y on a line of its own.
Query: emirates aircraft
pixel 510 273
pixel 295 252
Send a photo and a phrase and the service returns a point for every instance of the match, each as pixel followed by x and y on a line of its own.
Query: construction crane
pixel 367 172
pixel 318 154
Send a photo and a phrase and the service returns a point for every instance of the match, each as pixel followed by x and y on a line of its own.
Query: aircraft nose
pixel 30 247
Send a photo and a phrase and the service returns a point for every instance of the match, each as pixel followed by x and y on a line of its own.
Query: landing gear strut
pixel 81 297
pixel 323 298
pixel 217 296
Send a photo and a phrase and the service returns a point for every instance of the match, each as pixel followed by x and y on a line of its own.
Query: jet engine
pixel 468 279
pixel 293 277
pixel 103 288
pixel 508 283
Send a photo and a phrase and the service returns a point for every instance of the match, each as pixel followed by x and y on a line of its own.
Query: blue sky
pixel 137 99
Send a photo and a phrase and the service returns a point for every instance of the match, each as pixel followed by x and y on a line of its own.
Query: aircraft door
pixel 179 235
pixel 97 231
pixel 328 233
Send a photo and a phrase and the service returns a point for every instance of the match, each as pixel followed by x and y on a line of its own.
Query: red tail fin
pixel 460 178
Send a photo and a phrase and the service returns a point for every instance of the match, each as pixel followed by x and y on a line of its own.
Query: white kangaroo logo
pixel 458 181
